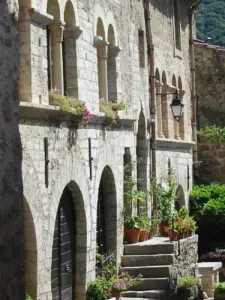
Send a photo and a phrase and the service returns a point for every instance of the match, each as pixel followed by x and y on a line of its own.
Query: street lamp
pixel 177 107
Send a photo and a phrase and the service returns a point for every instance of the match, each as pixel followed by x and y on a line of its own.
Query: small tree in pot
pixel 219 291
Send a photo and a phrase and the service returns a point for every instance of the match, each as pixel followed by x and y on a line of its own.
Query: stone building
pixel 210 79
pixel 72 175
pixel 11 211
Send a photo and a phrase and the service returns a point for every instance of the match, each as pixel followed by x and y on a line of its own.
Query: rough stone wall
pixel 210 79
pixel 185 264
pixel 68 146
pixel 11 219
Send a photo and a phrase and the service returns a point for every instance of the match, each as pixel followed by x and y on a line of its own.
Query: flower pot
pixel 173 236
pixel 150 234
pixel 219 296
pixel 116 294
pixel 132 235
pixel 143 235
pixel 162 227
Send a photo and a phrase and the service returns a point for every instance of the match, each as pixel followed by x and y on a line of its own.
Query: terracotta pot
pixel 162 227
pixel 219 296
pixel 143 235
pixel 132 235
pixel 116 294
pixel 173 236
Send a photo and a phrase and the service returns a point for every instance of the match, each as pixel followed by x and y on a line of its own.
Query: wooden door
pixel 63 253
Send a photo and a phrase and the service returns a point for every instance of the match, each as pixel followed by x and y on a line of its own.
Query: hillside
pixel 211 21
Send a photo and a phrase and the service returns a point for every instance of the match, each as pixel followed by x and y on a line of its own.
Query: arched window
pixel 71 33
pixel 102 49
pixel 158 88
pixel 111 65
pixel 175 122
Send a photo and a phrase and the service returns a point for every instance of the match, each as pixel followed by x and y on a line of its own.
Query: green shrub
pixel 188 281
pixel 98 290
pixel 219 287
pixel 207 206
pixel 28 297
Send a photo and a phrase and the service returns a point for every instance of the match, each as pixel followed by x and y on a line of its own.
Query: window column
pixel 113 52
pixel 102 55
pixel 71 34
pixel 159 109
pixel 165 111
pixel 57 56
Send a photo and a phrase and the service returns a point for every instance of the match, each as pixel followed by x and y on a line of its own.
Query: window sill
pixel 54 113
pixel 172 143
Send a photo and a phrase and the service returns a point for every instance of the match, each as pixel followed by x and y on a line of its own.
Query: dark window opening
pixel 141 48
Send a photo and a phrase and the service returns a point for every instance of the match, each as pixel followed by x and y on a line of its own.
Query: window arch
pixel 158 87
pixel 112 65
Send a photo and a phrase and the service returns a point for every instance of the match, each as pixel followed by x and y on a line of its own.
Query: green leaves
pixel 211 21
pixel 213 133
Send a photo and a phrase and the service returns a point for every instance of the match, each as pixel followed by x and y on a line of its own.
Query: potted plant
pixel 131 229
pixel 219 291
pixel 122 283
pixel 165 198
pixel 188 288
pixel 143 222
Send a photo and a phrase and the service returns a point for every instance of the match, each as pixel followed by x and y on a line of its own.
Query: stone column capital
pixel 113 51
pixel 72 32
pixel 57 29
pixel 102 47
pixel 182 93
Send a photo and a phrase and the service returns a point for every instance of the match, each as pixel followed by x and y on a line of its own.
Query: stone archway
pixel 180 202
pixel 30 251
pixel 142 156
pixel 107 213
pixel 69 250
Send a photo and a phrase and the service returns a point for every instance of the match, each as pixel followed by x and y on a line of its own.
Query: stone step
pixel 152 284
pixel 148 271
pixel 145 249
pixel 147 260
pixel 150 295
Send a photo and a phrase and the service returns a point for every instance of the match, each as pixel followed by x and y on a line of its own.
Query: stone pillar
pixel 182 120
pixel 57 55
pixel 71 34
pixel 165 111
pixel 159 110
pixel 171 90
pixel 102 53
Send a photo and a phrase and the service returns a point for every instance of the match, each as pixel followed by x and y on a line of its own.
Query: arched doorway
pixel 106 213
pixel 69 246
pixel 142 155
pixel 30 251
pixel 180 201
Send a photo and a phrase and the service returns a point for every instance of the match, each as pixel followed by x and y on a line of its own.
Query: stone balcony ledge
pixel 54 113
pixel 172 143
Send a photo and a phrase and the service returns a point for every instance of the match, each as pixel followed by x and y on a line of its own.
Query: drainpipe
pixel 152 100
pixel 193 88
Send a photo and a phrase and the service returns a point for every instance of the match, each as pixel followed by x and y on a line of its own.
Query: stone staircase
pixel 153 259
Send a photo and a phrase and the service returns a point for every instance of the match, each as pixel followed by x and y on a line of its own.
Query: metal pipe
pixel 193 88
pixel 152 100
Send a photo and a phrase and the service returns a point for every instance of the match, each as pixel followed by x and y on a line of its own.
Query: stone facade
pixel 89 161
pixel 210 78
pixel 185 263
pixel 11 217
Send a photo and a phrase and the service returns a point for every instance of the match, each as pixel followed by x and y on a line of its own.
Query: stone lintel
pixel 209 267
pixel 54 113
pixel 40 18
pixel 172 143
